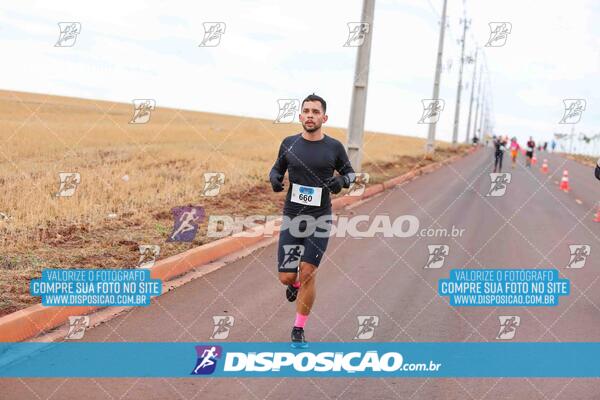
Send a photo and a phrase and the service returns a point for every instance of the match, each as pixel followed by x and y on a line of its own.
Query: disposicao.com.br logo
pixel 289 363
pixel 355 226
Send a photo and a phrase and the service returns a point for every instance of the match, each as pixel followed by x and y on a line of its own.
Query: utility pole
pixel 572 134
pixel 358 107
pixel 436 83
pixel 484 117
pixel 486 122
pixel 478 101
pixel 481 115
pixel 471 102
pixel 484 114
pixel 459 88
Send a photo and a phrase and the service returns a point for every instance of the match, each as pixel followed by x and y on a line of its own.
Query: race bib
pixel 529 148
pixel 307 195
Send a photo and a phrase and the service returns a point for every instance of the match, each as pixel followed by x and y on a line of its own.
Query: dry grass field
pixel 590 161
pixel 135 173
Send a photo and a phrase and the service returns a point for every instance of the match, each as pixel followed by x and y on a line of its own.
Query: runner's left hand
pixel 335 184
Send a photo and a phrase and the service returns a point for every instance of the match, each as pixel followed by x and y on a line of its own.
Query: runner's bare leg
pixel 287 278
pixel 308 290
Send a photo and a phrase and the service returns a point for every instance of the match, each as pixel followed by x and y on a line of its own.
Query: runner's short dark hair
pixel 314 97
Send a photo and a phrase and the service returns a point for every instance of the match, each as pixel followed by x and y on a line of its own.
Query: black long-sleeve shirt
pixel 310 163
pixel 500 146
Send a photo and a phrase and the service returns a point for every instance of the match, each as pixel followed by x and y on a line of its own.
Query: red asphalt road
pixel 530 226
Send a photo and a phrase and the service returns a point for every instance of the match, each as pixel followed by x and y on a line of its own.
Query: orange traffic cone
pixel 597 217
pixel 533 160
pixel 564 182
pixel 544 168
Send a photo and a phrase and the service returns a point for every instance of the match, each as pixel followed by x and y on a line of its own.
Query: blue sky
pixel 284 49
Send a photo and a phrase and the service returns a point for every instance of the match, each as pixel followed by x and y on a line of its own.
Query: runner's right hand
pixel 276 182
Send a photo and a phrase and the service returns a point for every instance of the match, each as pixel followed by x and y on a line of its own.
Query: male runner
pixel 311 158
pixel 529 154
pixel 499 147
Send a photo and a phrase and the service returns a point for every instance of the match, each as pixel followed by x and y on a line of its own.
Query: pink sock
pixel 300 320
pixel 296 284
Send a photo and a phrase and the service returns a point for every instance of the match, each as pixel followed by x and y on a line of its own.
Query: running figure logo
pixel 357 33
pixel 223 324
pixel 432 108
pixel 186 220
pixel 207 359
pixel 508 326
pixel 212 34
pixel 437 255
pixel 288 108
pixel 579 254
pixel 68 34
pixel 68 183
pixel 574 108
pixel 357 188
pixel 498 33
pixel 77 327
pixel 141 110
pixel 499 183
pixel 366 326
pixel 212 183
pixel 148 255
pixel 293 252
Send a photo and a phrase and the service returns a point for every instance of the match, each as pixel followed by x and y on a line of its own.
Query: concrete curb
pixel 34 320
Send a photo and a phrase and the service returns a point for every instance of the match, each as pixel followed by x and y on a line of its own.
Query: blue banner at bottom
pixel 326 360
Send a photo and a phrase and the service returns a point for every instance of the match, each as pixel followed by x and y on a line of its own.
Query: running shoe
pixel 291 293
pixel 298 340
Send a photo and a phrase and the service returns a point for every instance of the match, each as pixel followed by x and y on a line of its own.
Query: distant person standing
pixel 499 148
pixel 597 172
pixel 545 146
pixel 553 145
pixel 529 153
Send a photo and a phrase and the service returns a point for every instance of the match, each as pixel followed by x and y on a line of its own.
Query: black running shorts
pixel 302 241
